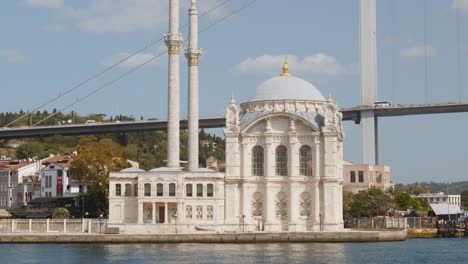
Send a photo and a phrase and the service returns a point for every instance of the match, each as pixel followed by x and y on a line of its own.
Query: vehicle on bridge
pixel 383 103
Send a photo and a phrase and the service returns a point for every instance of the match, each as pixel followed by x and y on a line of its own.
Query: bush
pixel 60 213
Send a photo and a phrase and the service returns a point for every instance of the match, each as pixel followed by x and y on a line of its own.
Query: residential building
pixel 16 183
pixel 360 177
pixel 441 198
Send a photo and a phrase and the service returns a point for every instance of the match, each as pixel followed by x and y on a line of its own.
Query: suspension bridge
pixel 366 114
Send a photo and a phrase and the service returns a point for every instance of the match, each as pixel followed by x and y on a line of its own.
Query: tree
pixel 372 202
pixel 404 201
pixel 348 200
pixel 60 213
pixel 94 163
pixel 464 198
pixel 30 150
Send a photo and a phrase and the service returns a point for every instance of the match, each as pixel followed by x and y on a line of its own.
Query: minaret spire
pixel 173 42
pixel 193 54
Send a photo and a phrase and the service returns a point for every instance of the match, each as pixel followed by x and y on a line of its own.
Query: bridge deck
pixel 349 114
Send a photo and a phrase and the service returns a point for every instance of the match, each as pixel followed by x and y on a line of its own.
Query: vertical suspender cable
pixel 426 53
pixel 394 54
pixel 459 54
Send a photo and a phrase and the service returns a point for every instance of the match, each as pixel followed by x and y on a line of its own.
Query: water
pixel 411 251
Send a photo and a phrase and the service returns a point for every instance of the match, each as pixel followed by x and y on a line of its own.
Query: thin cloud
pixel 43 3
pixel 418 51
pixel 319 64
pixel 119 16
pixel 460 5
pixel 12 56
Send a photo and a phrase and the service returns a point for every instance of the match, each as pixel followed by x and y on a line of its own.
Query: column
pixel 268 204
pixel 140 213
pixel 246 159
pixel 294 157
pixel 270 160
pixel 317 172
pixel 154 213
pixel 166 219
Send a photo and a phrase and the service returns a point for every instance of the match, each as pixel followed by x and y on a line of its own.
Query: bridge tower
pixel 368 47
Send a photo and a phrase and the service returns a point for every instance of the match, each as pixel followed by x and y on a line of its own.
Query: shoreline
pixel 297 237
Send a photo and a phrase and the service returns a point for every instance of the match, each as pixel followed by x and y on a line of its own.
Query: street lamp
pixel 175 216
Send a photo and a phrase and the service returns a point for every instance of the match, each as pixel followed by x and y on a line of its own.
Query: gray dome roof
pixel 287 88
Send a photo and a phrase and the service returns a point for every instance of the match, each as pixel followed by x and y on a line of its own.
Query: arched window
pixel 281 161
pixel 257 161
pixel 188 190
pixel 199 190
pixel 159 189
pixel 172 189
pixel 128 189
pixel 209 190
pixel 305 159
pixel 147 189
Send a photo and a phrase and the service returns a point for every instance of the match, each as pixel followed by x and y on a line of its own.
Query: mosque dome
pixel 286 87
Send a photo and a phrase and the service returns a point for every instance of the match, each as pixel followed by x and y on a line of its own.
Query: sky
pixel 49 46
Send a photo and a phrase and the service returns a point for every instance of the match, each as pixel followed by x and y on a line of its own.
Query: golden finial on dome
pixel 285 67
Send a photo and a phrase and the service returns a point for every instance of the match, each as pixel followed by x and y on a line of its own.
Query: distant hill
pixel 418 187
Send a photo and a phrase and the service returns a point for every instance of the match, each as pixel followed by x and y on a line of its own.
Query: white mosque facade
pixel 284 155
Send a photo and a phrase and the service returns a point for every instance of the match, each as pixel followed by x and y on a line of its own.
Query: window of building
pixel 281 161
pixel 128 189
pixel 199 190
pixel 305 160
pixel 209 190
pixel 361 176
pixel 379 178
pixel 199 213
pixel 172 189
pixel 188 190
pixel 353 176
pixel 209 212
pixel 135 190
pixel 147 189
pixel 160 189
pixel 60 173
pixel 118 189
pixel 257 161
pixel 188 212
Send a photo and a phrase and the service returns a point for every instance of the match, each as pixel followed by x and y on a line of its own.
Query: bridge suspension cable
pixel 244 6
pixel 459 53
pixel 426 53
pixel 94 76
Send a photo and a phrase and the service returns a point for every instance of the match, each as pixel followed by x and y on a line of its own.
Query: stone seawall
pixel 334 237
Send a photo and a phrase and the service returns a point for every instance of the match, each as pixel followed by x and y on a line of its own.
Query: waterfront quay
pixel 256 237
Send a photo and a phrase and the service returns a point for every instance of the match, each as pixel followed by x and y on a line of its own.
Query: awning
pixel 445 209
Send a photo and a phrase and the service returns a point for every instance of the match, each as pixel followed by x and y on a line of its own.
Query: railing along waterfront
pixel 88 225
pixel 376 223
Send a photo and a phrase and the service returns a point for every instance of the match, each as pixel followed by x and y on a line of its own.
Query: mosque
pixel 284 160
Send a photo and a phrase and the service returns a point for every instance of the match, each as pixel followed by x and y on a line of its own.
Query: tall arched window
pixel 305 158
pixel 281 161
pixel 147 189
pixel 257 161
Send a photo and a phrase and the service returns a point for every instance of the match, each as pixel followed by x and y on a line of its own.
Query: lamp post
pixel 175 216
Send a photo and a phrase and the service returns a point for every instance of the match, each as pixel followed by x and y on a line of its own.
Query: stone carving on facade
pixel 209 212
pixel 257 204
pixel 281 206
pixel 199 213
pixel 232 116
pixel 188 212
pixel 305 204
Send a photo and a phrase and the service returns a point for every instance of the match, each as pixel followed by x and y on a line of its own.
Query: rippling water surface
pixel 411 251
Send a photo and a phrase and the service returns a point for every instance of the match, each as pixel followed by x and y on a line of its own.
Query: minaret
pixel 193 54
pixel 173 42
